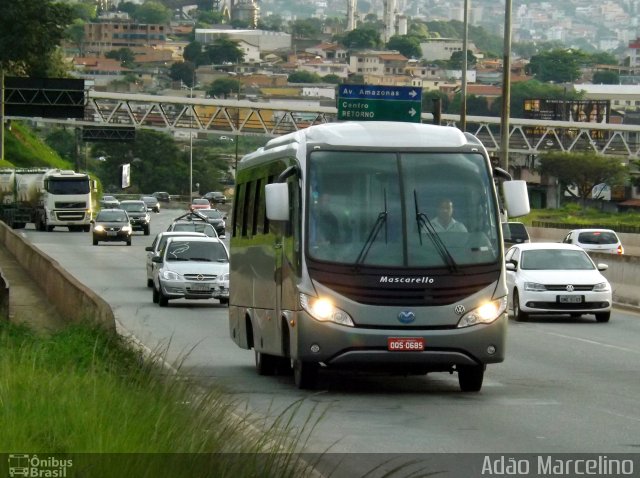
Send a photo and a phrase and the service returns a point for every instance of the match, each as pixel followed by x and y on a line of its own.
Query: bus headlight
pixel 323 310
pixel 485 314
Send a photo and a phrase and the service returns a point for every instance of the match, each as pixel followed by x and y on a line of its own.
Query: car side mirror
pixel 148 248
pixel 510 266
pixel 602 267
pixel 157 259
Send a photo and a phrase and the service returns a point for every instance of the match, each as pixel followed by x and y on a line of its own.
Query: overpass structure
pixel 114 111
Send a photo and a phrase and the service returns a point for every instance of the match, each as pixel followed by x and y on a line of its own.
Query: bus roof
pixel 382 134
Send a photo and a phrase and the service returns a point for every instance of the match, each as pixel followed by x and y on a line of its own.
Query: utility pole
pixel 465 47
pixel 1 112
pixel 506 89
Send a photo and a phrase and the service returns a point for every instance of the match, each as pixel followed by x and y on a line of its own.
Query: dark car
pixel 216 197
pixel 162 196
pixel 112 225
pixel 214 217
pixel 138 215
pixel 515 233
pixel 153 203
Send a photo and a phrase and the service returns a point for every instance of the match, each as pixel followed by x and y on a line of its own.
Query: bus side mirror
pixel 516 198
pixel 277 201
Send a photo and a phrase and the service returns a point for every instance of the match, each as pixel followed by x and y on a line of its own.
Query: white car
pixel 554 279
pixel 157 245
pixel 595 240
pixel 191 268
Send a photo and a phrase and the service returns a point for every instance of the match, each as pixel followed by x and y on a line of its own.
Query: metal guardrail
pixel 243 117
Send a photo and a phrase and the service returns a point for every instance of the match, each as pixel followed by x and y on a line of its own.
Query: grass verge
pixel 574 214
pixel 85 391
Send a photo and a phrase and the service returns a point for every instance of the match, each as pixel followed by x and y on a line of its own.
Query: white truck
pixel 46 197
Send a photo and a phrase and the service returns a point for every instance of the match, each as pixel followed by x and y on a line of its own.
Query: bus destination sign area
pixel 379 103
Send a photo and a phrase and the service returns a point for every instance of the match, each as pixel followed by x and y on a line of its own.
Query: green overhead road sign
pixel 379 103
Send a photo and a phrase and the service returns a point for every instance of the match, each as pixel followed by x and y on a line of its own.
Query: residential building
pixel 101 38
pixel 442 48
pixel 266 41
pixel 378 63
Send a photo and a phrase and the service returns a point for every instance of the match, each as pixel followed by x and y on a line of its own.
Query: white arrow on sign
pixel 412 112
pixel 413 93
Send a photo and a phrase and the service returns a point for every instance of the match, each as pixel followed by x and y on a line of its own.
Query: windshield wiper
pixel 423 221
pixel 200 259
pixel 375 230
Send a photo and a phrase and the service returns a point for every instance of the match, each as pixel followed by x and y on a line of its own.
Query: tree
pixel 583 171
pixel 30 32
pixel 306 28
pixel 273 22
pixel 75 34
pixel 332 78
pixel 125 56
pixel 222 87
pixel 409 46
pixel 606 78
pixel 222 50
pixel 457 57
pixel 559 65
pixel 183 71
pixel 362 38
pixel 302 76
pixel 153 12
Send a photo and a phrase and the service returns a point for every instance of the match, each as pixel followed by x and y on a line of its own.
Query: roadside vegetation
pixel 83 390
pixel 575 214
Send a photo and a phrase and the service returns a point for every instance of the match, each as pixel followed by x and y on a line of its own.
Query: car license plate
pixel 405 344
pixel 570 299
pixel 199 286
pixel 111 233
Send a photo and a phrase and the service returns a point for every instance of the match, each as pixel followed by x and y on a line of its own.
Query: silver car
pixel 157 245
pixel 191 268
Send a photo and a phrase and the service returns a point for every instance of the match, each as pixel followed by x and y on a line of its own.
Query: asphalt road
pixel 567 385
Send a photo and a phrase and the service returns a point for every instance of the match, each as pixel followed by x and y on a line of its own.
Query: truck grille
pixel 69 215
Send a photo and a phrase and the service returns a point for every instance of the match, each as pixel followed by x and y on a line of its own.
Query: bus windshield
pixel 407 209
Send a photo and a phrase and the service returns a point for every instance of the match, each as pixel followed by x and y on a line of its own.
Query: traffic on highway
pixel 567 385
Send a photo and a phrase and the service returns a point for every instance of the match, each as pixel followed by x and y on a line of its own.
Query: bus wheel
pixel 470 377
pixel 265 363
pixel 305 374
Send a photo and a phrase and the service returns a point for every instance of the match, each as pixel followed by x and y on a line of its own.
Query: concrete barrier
pixel 74 302
pixel 4 297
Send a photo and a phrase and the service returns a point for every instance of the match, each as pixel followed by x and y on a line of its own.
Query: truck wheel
pixel 224 301
pixel 50 228
pixel 86 228
pixel 95 242
pixel 147 231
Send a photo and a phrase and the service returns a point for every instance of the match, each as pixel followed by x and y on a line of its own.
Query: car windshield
pixel 112 216
pixel 597 237
pixel 200 201
pixel 555 259
pixel 196 227
pixel 196 251
pixel 108 198
pixel 133 207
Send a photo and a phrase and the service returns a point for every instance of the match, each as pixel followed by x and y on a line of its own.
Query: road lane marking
pixel 594 342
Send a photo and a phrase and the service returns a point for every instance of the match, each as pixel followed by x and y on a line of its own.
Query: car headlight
pixel 170 275
pixel 126 228
pixel 534 287
pixel 98 228
pixel 224 276
pixel 323 310
pixel 485 314
pixel 601 287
